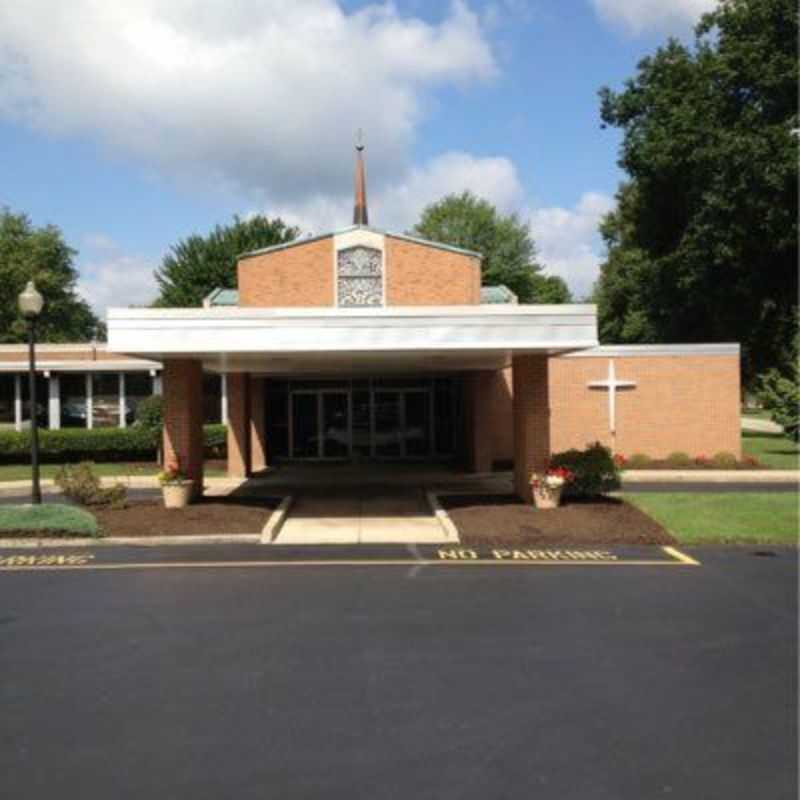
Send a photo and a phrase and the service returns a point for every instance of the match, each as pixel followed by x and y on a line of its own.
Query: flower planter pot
pixel 177 495
pixel 546 497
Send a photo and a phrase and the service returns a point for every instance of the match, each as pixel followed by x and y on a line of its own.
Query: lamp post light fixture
pixel 30 305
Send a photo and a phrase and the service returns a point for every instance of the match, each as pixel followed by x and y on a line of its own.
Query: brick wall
pixel 417 275
pixel 304 275
pixel 301 275
pixel 684 403
pixel 487 412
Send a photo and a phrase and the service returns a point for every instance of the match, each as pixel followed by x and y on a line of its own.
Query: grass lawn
pixel 21 472
pixel 773 450
pixel 695 518
pixel 50 519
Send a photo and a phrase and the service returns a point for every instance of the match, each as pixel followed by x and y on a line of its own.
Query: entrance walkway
pixel 365 516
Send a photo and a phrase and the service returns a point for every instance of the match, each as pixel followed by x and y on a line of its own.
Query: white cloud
pixel 257 94
pixel 638 16
pixel 109 277
pixel 397 206
pixel 568 241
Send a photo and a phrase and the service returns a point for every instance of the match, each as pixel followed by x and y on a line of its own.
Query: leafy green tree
pixel 197 265
pixel 779 391
pixel 703 243
pixel 505 242
pixel 41 254
pixel 550 289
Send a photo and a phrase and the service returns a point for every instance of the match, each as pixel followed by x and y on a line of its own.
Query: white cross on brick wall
pixel 612 384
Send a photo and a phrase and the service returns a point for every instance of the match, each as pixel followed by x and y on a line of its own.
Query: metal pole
pixel 36 491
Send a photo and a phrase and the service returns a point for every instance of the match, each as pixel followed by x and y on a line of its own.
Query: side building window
pixel 359 277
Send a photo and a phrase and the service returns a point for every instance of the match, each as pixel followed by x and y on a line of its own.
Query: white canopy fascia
pixel 161 333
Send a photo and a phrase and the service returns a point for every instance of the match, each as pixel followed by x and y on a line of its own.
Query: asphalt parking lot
pixel 399 681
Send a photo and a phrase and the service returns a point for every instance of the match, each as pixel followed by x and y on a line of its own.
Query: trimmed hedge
pixel 136 443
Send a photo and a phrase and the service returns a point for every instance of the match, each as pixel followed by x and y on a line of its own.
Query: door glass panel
pixel 105 400
pixel 362 438
pixel 444 417
pixel 8 394
pixel 42 394
pixel 335 426
pixel 387 425
pixel 73 400
pixel 417 427
pixel 305 439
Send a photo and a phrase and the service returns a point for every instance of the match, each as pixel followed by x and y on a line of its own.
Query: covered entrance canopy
pixel 365 352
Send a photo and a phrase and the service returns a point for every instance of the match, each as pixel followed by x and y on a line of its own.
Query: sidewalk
pixel 710 476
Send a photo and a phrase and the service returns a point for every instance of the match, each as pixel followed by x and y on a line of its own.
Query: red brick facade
pixel 304 274
pixel 299 275
pixel 684 403
pixel 419 275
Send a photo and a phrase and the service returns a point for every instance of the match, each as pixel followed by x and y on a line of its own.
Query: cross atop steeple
pixel 360 215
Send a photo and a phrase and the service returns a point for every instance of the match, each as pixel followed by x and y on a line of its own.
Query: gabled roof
pixel 404 236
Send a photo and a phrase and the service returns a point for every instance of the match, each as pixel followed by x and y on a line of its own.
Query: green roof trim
pixel 493 295
pixel 222 297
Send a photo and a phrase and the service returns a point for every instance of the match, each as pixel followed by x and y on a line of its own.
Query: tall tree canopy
pixel 41 254
pixel 703 243
pixel 197 265
pixel 508 249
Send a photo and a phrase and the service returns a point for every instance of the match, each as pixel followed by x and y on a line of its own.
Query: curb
pixel 276 520
pixel 442 517
pixel 133 541
pixel 131 481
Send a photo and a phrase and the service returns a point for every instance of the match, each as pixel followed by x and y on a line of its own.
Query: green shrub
pixel 638 461
pixel 150 412
pixel 594 469
pixel 70 445
pixel 678 460
pixel 724 461
pixel 216 440
pixel 80 444
pixel 79 483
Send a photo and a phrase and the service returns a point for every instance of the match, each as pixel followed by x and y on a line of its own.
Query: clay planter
pixel 546 497
pixel 177 495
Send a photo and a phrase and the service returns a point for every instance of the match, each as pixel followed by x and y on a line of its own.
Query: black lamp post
pixel 30 304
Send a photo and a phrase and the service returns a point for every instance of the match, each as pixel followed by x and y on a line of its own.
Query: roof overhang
pixel 287 340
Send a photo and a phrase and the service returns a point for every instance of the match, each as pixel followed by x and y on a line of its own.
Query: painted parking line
pixel 440 557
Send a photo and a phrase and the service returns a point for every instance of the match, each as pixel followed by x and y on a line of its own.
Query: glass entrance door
pixel 402 423
pixel 320 424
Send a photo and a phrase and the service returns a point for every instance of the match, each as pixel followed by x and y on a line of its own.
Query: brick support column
pixel 183 418
pixel 239 463
pixel 531 419
pixel 479 421
pixel 258 444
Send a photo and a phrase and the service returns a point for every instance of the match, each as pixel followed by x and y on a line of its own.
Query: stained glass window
pixel 359 277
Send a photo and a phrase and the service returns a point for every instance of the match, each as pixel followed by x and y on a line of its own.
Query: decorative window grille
pixel 359 277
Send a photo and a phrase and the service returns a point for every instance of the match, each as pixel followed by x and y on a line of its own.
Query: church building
pixel 364 345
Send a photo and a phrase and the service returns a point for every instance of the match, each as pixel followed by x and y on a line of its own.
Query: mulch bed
pixel 499 520
pixel 212 515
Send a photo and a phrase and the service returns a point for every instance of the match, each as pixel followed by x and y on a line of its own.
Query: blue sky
pixel 155 119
